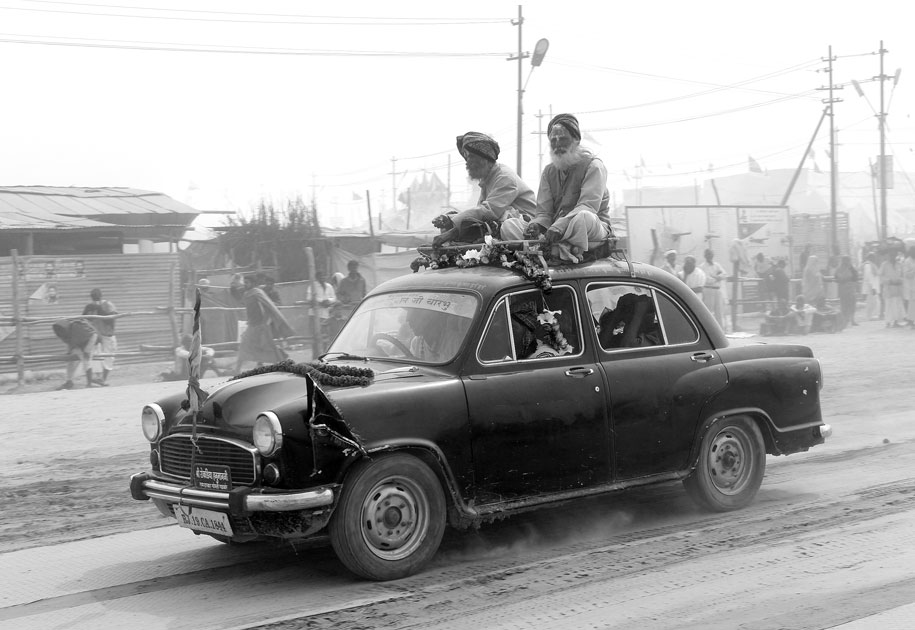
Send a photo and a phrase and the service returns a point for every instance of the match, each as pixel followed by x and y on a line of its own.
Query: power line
pixel 713 90
pixel 647 75
pixel 80 42
pixel 709 115
pixel 256 18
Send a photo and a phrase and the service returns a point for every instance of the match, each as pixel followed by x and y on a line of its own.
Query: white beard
pixel 568 159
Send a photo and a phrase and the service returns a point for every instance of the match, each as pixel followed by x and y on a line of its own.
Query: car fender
pixel 460 512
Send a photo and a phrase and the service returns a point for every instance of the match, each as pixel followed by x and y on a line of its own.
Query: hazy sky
pixel 220 102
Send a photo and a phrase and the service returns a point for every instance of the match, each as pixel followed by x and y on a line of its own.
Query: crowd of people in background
pixel 826 295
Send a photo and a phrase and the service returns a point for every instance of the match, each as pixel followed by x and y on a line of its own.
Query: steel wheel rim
pixel 731 460
pixel 395 518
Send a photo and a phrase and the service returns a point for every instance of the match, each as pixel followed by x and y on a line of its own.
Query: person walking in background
pixel 812 281
pixel 692 275
pixel 712 292
pixel 264 320
pixel 846 277
pixel 762 267
pixel 781 283
pixel 351 289
pixel 80 337
pixel 270 290
pixel 908 286
pixel 871 287
pixel 321 297
pixel 802 258
pixel 670 263
pixel 100 313
pixel 891 288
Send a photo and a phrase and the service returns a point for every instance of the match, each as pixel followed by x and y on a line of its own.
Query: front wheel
pixel 732 461
pixel 390 518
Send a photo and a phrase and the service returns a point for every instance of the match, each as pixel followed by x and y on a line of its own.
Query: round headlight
pixel 153 421
pixel 267 434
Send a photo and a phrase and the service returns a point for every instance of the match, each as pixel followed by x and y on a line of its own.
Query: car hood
pixel 234 405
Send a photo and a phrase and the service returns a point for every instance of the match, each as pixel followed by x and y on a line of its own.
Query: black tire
pixel 732 462
pixel 400 493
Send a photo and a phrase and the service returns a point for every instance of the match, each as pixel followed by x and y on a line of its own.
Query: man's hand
pixel 444 237
pixel 533 231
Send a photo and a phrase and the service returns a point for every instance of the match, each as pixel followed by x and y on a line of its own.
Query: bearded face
pixel 477 166
pixel 564 149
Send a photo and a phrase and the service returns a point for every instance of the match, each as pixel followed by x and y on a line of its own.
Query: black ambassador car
pixel 458 396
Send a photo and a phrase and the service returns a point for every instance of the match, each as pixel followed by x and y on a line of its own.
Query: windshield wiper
pixel 343 356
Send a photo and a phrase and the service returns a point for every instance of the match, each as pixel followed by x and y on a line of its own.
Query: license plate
pixel 202 520
pixel 211 477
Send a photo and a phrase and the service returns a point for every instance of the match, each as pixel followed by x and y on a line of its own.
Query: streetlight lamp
pixel 536 59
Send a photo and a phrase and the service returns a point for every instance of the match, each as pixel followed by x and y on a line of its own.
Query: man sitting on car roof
pixel 503 194
pixel 573 204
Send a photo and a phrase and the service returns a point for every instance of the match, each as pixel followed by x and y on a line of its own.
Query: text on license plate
pixel 203 520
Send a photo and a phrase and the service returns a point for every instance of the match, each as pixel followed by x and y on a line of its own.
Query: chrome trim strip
pixel 255 502
pixel 285 502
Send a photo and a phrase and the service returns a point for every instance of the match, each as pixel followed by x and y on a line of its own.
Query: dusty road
pixel 825 545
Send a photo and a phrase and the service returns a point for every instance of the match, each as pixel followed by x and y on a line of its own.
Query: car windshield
pixel 418 326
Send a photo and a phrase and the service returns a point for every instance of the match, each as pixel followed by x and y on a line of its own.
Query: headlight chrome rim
pixel 152 421
pixel 267 434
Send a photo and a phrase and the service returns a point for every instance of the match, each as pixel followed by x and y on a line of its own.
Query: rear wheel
pixel 732 462
pixel 390 518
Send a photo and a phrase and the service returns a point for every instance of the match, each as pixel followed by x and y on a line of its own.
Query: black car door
pixel 661 369
pixel 538 411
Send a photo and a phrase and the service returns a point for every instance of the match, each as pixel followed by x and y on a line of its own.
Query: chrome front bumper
pixel 238 501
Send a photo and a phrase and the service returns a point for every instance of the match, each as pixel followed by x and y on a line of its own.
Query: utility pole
pixel 833 162
pixel 393 184
pixel 883 164
pixel 540 133
pixel 540 138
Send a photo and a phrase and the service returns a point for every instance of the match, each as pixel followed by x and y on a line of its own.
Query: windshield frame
pixel 457 309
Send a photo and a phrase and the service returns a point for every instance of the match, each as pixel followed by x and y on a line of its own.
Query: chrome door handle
pixel 579 372
pixel 702 357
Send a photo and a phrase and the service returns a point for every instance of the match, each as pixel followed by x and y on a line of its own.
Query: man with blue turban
pixel 573 203
pixel 503 194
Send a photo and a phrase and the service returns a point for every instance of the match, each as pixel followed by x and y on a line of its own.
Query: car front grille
pixel 175 457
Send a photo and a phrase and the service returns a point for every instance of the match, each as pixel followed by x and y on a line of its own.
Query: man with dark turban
pixel 573 204
pixel 503 194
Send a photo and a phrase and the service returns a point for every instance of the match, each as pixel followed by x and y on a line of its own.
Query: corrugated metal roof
pixel 51 207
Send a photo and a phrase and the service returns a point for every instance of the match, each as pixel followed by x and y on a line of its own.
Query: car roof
pixel 490 279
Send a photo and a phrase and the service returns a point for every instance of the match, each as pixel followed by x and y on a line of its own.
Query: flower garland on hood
pixel 494 253
pixel 320 372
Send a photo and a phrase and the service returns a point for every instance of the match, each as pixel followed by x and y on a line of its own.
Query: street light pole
pixel 539 53
pixel 521 57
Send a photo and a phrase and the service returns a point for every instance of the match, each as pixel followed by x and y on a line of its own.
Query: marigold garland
pixel 320 372
pixel 495 254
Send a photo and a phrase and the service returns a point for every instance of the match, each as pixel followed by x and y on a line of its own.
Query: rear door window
pixel 629 315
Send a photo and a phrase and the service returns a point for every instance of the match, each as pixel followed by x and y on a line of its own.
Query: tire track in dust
pixel 576 582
